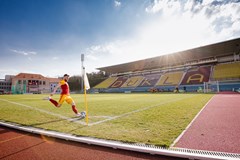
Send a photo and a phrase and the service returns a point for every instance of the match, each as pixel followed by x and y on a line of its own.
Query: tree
pixel 94 78
pixel 75 83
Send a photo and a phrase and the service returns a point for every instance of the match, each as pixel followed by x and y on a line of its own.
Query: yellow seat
pixel 106 83
pixel 227 71
pixel 170 79
pixel 133 82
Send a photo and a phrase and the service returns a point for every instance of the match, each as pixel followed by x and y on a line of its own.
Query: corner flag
pixel 86 87
pixel 86 82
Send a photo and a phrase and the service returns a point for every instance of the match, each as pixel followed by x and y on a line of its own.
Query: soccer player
pixel 65 96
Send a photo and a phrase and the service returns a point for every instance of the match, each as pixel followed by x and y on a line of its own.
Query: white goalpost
pixel 212 86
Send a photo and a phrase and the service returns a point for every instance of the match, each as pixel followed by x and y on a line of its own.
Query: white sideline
pixel 180 136
pixel 138 110
pixel 108 118
pixel 44 111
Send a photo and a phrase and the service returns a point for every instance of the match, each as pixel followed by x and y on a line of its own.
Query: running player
pixel 65 96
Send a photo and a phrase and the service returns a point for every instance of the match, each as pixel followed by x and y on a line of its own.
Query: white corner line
pixel 44 111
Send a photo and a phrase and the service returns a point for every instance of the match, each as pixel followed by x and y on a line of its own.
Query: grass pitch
pixel 156 119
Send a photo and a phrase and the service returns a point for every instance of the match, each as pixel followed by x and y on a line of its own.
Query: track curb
pixel 151 149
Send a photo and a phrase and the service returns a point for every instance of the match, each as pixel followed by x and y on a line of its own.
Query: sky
pixel 48 36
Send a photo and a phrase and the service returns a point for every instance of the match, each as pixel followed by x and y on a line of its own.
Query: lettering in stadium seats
pixel 166 82
pixel 195 77
pixel 117 84
pixel 132 83
pixel 146 83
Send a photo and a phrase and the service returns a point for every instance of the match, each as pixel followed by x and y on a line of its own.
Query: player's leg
pixel 54 102
pixel 61 100
pixel 74 108
pixel 70 101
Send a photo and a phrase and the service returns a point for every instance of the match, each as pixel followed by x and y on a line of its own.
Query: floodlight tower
pixel 82 60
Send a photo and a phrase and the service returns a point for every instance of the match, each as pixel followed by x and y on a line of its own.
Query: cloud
pixel 165 26
pixel 163 6
pixel 55 58
pixel 117 3
pixel 25 53
pixel 91 57
pixel 102 49
pixel 176 26
pixel 216 20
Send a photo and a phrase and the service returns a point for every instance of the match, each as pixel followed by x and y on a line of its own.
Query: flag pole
pixel 85 88
pixel 85 93
pixel 86 105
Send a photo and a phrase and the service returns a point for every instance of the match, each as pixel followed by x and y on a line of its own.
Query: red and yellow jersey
pixel 64 87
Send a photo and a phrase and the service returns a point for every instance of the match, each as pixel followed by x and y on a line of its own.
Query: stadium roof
pixel 178 58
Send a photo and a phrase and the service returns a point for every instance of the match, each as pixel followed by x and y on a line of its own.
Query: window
pixel 29 82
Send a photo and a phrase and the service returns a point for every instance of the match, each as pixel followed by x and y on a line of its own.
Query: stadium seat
pixel 197 76
pixel 106 83
pixel 119 82
pixel 149 80
pixel 133 82
pixel 227 71
pixel 170 79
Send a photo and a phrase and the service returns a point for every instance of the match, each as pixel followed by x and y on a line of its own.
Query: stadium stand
pixel 119 82
pixel 133 82
pixel 226 71
pixel 106 83
pixel 216 66
pixel 170 79
pixel 197 76
pixel 149 80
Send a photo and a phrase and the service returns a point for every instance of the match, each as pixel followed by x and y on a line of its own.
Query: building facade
pixel 5 84
pixel 28 83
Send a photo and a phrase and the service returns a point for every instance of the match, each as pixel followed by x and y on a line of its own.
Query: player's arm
pixel 55 89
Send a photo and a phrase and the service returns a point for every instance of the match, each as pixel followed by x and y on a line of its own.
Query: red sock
pixel 53 102
pixel 74 109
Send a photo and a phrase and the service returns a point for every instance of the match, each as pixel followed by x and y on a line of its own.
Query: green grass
pixel 156 119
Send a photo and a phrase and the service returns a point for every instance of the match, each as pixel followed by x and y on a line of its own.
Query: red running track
pixel 217 127
pixel 25 146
